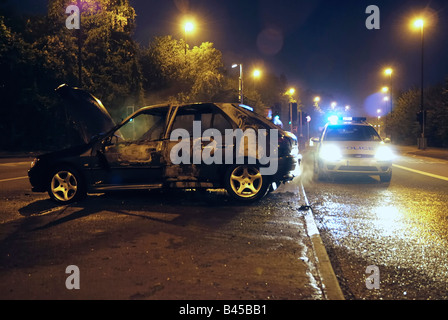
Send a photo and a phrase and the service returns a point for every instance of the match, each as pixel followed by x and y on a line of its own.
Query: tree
pixel 38 53
pixel 110 63
pixel 182 76
pixel 402 124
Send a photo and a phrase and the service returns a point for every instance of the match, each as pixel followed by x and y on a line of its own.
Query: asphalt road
pixel 152 245
pixel 400 228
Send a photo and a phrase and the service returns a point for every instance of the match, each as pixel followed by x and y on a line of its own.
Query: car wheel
pixel 245 183
pixel 66 185
pixel 317 173
pixel 386 177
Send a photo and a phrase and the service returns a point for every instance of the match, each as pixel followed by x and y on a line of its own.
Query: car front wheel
pixel 246 183
pixel 66 186
pixel 386 178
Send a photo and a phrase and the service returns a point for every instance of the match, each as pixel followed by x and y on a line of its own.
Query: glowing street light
pixel 388 72
pixel 292 105
pixel 333 105
pixel 317 99
pixel 385 89
pixel 188 28
pixel 256 74
pixel 419 23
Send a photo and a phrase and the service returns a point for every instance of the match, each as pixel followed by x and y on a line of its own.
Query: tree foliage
pixel 177 73
pixel 403 124
pixel 39 53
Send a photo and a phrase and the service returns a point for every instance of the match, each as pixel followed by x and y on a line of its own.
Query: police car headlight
pixel 330 153
pixel 384 153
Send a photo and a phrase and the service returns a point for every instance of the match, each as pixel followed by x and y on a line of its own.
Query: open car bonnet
pixel 89 114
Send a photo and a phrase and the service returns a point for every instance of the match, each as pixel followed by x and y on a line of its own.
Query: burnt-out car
pixel 190 146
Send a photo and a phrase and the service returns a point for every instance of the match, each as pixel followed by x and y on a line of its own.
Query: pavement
pixel 437 153
pixel 328 280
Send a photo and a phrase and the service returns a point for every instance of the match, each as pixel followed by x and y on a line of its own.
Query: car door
pixel 194 158
pixel 132 155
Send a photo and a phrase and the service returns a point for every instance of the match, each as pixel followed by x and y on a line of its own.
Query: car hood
pixel 87 111
pixel 357 147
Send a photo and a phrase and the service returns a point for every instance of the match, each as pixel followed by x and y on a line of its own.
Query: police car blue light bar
pixel 246 107
pixel 335 119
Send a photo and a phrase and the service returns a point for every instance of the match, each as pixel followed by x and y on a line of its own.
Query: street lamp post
pixel 240 85
pixel 422 141
pixel 389 72
pixel 378 112
pixel 187 28
pixel 79 46
pixel 256 75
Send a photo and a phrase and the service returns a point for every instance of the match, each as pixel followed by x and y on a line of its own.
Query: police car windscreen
pixel 351 133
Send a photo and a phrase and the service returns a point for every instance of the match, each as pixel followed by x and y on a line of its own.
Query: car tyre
pixel 66 185
pixel 386 178
pixel 246 183
pixel 317 173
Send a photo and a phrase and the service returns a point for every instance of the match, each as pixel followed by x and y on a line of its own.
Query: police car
pixel 352 146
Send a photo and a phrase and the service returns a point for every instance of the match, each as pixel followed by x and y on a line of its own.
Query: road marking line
pixel 14 164
pixel 422 172
pixel 11 179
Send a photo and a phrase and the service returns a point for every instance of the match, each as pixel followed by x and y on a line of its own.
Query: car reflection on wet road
pixel 401 228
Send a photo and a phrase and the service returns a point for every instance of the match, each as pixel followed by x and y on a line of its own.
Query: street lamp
pixel 241 88
pixel 420 24
pixel 291 93
pixel 378 112
pixel 256 74
pixel 188 27
pixel 79 32
pixel 388 72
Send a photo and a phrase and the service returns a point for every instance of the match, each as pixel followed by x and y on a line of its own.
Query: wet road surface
pixel 154 245
pixel 177 246
pixel 401 228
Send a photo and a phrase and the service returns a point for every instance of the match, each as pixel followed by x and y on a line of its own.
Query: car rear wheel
pixel 66 185
pixel 246 183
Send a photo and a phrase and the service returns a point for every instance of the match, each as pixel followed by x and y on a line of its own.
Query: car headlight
pixel 384 153
pixel 330 153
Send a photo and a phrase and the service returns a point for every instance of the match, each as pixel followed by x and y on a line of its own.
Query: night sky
pixel 322 46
